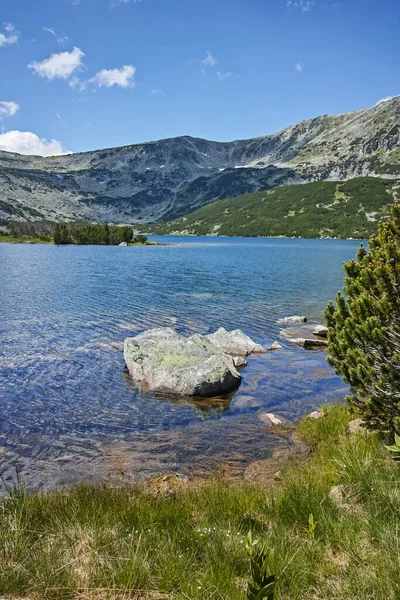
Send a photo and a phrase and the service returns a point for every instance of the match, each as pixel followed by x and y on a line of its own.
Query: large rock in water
pixel 235 343
pixel 161 360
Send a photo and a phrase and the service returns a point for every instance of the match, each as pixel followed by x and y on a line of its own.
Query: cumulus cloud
pixel 10 36
pixel 122 77
pixel 61 39
pixel 8 109
pixel 25 142
pixel 302 5
pixel 209 60
pixel 59 66
pixel 299 67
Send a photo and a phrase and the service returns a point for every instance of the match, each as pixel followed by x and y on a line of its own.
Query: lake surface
pixel 68 411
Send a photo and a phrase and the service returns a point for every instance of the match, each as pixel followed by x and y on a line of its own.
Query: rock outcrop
pixel 162 360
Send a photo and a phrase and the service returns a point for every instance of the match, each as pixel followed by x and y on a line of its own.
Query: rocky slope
pixel 162 180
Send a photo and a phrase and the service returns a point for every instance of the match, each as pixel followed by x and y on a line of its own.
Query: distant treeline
pixel 99 234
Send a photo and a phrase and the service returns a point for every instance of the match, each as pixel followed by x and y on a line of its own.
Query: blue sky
pixel 79 75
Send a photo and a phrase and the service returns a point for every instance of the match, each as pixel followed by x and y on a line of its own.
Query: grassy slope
pixel 319 209
pixel 192 546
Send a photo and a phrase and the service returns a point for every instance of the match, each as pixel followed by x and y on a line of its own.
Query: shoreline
pixel 173 537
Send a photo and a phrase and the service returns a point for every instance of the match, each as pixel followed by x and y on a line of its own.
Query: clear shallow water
pixel 68 411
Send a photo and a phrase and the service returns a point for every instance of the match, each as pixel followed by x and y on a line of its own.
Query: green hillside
pixel 320 209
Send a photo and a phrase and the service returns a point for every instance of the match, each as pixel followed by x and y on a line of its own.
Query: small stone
pixel 321 330
pixel 275 346
pixel 239 362
pixel 316 414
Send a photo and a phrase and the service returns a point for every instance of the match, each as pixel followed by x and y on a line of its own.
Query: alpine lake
pixel 69 412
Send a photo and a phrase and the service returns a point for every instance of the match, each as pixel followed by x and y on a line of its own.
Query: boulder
pixel 235 343
pixel 292 320
pixel 161 360
pixel 275 346
pixel 321 330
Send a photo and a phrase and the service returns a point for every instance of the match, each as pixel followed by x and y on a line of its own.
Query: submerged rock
pixel 161 360
pixel 275 346
pixel 271 420
pixel 292 320
pixel 235 343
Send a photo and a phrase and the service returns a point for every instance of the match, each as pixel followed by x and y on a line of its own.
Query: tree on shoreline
pixel 99 234
pixel 364 328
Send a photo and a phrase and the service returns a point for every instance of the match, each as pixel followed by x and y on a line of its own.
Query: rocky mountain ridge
pixel 162 180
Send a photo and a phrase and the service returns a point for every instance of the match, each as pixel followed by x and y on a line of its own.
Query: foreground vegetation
pixel 99 542
pixel 364 329
pixel 319 209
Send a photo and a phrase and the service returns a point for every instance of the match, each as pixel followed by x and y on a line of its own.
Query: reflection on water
pixel 68 410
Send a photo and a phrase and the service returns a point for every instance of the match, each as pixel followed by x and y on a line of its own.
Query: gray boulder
pixel 161 360
pixel 235 343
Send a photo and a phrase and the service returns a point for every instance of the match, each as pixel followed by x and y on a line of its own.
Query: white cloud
pixel 299 67
pixel 8 109
pixel 122 77
pixel 25 142
pixel 58 116
pixel 385 99
pixel 156 92
pixel 61 39
pixel 10 36
pixel 302 5
pixel 226 75
pixel 59 66
pixel 209 60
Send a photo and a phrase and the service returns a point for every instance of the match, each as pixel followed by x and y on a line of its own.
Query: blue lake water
pixel 68 411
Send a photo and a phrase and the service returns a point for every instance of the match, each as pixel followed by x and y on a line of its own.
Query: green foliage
pixel 312 525
pixel 396 447
pixel 92 233
pixel 62 234
pixel 319 209
pixel 140 239
pixel 364 328
pixel 262 585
